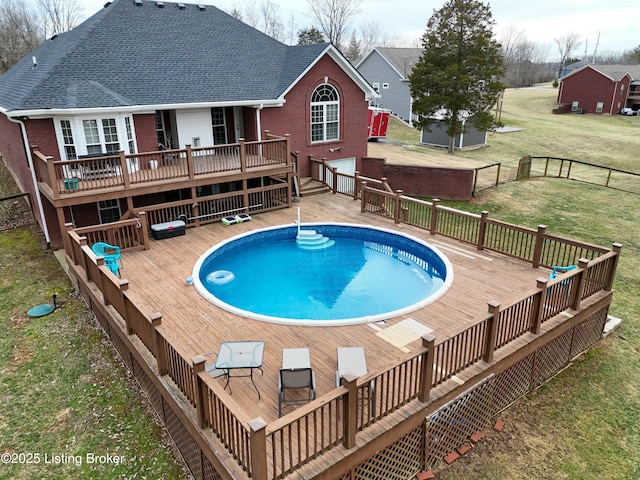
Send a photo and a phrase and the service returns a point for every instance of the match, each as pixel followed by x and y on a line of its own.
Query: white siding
pixel 194 123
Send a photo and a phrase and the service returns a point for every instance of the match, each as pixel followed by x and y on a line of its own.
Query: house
pixel 388 70
pixel 182 103
pixel 600 89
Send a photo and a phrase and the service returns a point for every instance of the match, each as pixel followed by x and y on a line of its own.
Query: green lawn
pixel 585 423
pixel 67 408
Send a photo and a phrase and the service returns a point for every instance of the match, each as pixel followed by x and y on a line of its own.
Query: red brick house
pixel 600 89
pixel 188 104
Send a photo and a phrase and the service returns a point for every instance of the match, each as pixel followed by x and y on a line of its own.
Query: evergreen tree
pixel 310 36
pixel 354 50
pixel 457 76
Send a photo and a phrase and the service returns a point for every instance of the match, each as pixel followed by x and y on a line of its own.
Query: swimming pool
pixel 362 274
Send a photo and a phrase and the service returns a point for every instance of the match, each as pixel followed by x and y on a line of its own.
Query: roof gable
pixel 128 55
pixel 402 60
pixel 615 73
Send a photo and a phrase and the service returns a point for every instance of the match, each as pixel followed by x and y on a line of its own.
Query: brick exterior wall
pixel 589 87
pixel 294 117
pixel 428 182
pixel 146 136
pixel 15 157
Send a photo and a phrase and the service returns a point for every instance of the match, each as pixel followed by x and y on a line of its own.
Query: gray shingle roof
pixel 128 55
pixel 402 59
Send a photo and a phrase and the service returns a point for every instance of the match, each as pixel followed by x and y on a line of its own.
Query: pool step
pixel 311 240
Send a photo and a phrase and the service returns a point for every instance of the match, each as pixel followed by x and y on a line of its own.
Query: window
pixel 574 106
pixel 110 135
pixel 599 106
pixel 109 211
pixel 67 135
pixel 376 87
pixel 385 86
pixel 79 136
pixel 92 136
pixel 325 114
pixel 219 126
pixel 129 128
pixel 160 130
pixel 622 89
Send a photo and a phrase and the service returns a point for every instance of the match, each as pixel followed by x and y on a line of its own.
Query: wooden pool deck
pixel 157 282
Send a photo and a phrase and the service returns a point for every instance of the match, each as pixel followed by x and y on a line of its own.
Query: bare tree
pixel 567 43
pixel 263 16
pixel 369 35
pixel 59 15
pixel 333 17
pixel 20 32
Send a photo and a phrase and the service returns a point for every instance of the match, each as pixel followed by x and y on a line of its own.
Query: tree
pixel 310 36
pixel 59 15
pixel 567 43
pixel 633 57
pixel 354 50
pixel 456 81
pixel 20 32
pixel 333 17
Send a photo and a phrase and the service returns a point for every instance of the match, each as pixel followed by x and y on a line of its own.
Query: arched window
pixel 325 114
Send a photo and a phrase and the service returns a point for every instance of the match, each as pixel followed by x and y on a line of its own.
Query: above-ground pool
pixel 343 274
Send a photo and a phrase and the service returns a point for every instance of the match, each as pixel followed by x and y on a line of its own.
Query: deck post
pixel 433 228
pixel 334 175
pixel 161 358
pixel 190 166
pixel 124 168
pixel 537 251
pixel 426 374
pixel 363 201
pixel 144 230
pixel 482 230
pixel 617 248
pixel 258 451
pixel 398 209
pixel 350 410
pixel 538 306
pixel 243 155
pixel 492 331
pixel 70 251
pixel 356 174
pixel 198 367
pixel 577 290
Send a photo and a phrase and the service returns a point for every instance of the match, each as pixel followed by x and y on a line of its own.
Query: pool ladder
pixel 312 240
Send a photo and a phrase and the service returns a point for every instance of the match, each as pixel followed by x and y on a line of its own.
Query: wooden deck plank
pixel 157 280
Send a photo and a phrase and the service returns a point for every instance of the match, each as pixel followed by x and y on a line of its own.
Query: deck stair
pixel 309 186
pixel 312 240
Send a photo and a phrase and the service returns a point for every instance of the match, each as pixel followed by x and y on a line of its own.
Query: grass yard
pixel 67 408
pixel 585 423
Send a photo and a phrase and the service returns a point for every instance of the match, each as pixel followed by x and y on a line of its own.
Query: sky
pixel 611 26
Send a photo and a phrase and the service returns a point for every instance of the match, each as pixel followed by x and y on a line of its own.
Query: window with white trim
pixel 574 106
pixel 325 114
pixel 385 86
pixel 67 136
pixel 109 211
pixel 599 106
pixel 376 86
pixel 219 126
pixel 129 128
pixel 79 136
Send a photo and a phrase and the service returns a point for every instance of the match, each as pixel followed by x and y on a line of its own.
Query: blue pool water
pixel 367 275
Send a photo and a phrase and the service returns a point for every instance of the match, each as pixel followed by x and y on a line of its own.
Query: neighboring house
pixel 600 89
pixel 141 76
pixel 388 70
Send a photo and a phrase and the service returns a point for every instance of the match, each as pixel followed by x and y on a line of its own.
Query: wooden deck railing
pixel 126 170
pixel 273 451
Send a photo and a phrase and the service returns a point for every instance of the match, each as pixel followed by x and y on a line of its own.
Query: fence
pixel 275 450
pixel 541 166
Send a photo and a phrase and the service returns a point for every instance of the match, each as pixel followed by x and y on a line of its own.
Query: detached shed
pixel 472 138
